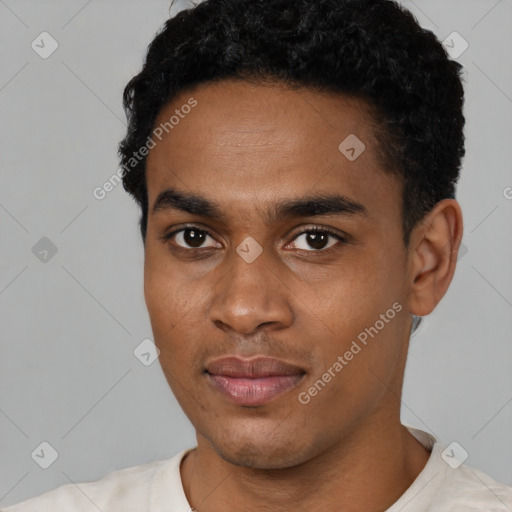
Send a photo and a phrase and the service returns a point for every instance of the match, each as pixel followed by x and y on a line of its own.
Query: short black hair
pixel 369 49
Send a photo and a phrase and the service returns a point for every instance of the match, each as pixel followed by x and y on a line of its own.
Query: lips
pixel 252 382
pixel 252 368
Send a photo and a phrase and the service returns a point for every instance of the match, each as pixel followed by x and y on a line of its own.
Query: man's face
pixel 304 299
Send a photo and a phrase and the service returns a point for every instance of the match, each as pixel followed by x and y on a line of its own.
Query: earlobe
pixel 433 256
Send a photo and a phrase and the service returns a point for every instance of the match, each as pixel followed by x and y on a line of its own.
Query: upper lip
pixel 257 367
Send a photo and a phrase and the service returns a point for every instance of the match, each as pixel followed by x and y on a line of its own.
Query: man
pixel 295 163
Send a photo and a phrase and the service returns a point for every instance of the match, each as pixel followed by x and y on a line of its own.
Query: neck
pixel 382 459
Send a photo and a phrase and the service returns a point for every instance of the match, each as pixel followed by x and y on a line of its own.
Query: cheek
pixel 175 304
pixel 352 295
pixel 167 298
pixel 363 312
pixel 157 287
pixel 360 367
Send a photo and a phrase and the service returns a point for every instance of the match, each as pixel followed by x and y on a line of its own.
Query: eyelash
pixel 317 229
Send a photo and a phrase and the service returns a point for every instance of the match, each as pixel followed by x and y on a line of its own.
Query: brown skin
pixel 247 146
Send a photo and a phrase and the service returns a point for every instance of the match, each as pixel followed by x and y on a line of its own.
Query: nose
pixel 251 295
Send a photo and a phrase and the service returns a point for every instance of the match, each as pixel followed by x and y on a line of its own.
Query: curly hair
pixel 370 49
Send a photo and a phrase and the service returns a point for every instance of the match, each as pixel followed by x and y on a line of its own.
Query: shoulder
pixel 447 484
pixel 128 489
pixel 459 487
pixel 470 489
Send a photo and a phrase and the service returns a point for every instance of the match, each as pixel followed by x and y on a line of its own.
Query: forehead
pixel 243 142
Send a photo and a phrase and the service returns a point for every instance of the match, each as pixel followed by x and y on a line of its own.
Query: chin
pixel 262 450
pixel 254 456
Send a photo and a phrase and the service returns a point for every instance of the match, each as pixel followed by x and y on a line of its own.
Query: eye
pixel 189 238
pixel 318 239
pixel 315 239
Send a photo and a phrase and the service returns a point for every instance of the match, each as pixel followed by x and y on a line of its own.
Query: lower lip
pixel 244 391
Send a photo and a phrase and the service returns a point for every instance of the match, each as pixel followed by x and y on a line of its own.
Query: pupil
pixel 317 240
pixel 193 237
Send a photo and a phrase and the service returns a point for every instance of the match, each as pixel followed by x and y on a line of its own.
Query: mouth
pixel 253 382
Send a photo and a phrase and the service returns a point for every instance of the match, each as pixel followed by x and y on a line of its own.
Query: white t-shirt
pixel 156 487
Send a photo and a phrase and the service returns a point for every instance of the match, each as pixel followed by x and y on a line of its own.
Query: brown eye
pixel 189 238
pixel 317 239
pixel 194 237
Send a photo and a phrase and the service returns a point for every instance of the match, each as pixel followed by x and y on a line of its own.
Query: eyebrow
pixel 308 206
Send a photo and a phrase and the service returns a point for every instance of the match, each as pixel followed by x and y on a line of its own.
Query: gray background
pixel 69 325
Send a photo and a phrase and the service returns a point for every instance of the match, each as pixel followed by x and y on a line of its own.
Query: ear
pixel 433 250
